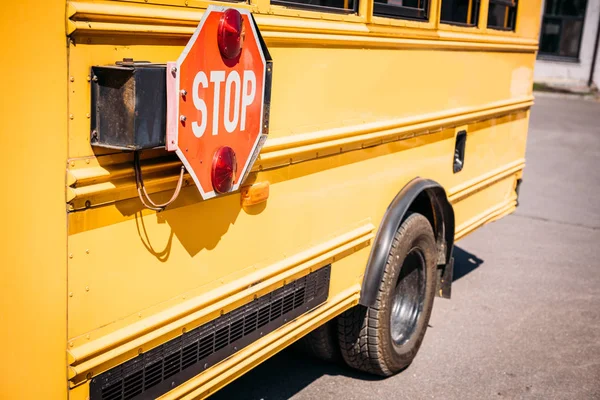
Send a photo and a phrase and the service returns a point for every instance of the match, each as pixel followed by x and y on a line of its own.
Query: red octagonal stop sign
pixel 218 100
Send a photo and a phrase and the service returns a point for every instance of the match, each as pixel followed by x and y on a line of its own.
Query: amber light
pixel 255 194
pixel 230 34
pixel 224 168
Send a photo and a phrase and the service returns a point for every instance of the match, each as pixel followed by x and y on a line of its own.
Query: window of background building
pixel 502 14
pixel 326 5
pixel 408 9
pixel 460 12
pixel 562 28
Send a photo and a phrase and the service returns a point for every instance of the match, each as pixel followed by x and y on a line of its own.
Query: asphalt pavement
pixel 524 318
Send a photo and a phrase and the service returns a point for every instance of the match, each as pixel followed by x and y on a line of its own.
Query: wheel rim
pixel 409 296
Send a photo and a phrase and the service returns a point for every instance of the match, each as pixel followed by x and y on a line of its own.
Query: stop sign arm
pixel 214 101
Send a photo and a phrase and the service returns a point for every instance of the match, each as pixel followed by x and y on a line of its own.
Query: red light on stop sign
pixel 224 168
pixel 231 34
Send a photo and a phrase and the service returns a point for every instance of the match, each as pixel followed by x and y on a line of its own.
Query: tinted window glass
pixel 502 14
pixel 460 12
pixel 332 5
pixel 408 9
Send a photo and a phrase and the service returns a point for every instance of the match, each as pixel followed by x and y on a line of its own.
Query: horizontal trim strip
pixel 225 372
pixel 168 323
pixel 101 18
pixel 494 213
pixel 472 186
pixel 295 145
pixel 110 183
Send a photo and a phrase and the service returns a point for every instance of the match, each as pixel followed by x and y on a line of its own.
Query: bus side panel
pixel 350 126
pixel 33 115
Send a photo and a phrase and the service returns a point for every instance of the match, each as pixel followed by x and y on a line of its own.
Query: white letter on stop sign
pixel 199 79
pixel 248 94
pixel 231 124
pixel 247 98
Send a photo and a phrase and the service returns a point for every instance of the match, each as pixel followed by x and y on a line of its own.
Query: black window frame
pixel 476 5
pixel 303 5
pixel 402 12
pixel 511 4
pixel 557 57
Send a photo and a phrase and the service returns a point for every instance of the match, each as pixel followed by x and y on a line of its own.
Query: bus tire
pixel 322 343
pixel 384 339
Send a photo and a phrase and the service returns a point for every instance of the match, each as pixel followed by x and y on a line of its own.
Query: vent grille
pixel 159 370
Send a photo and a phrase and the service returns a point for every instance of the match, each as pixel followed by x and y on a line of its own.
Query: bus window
pixel 460 12
pixel 331 5
pixel 502 14
pixel 409 9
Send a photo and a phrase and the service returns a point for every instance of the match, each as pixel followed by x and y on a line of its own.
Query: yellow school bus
pixel 395 128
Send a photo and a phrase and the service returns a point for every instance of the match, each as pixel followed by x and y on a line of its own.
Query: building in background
pixel 568 56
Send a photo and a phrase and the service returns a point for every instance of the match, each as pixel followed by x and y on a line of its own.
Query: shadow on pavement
pixel 464 263
pixel 288 372
pixel 282 376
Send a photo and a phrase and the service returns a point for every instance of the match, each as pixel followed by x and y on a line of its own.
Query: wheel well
pixel 422 205
pixel 427 205
pixel 420 195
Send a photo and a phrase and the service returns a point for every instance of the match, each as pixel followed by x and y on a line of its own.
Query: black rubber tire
pixel 365 333
pixel 322 343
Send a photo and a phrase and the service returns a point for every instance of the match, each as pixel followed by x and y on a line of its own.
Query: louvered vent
pixel 159 370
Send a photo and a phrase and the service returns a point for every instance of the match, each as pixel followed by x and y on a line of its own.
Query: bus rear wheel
pixel 385 338
pixel 321 343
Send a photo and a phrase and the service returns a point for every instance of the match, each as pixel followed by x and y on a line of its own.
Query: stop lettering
pixel 240 92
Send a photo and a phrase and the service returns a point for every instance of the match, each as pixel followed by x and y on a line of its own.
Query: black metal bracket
pixel 129 105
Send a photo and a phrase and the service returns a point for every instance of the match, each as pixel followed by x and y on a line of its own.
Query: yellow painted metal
pixel 33 133
pixel 361 105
